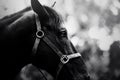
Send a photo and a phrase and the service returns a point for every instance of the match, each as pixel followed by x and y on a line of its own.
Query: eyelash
pixel 63 32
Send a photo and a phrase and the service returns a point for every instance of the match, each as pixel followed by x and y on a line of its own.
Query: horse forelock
pixel 55 19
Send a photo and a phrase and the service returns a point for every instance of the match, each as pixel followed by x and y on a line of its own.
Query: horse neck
pixel 12 17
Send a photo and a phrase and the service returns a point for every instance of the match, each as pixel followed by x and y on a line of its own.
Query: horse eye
pixel 63 32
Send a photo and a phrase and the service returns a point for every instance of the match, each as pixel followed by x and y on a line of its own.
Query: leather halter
pixel 63 58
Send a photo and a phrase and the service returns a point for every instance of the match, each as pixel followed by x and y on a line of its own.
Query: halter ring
pixel 39 34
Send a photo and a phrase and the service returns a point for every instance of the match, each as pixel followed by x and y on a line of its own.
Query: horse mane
pixel 56 18
pixel 7 20
pixel 16 13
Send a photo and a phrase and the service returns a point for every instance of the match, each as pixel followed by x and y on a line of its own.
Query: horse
pixel 36 36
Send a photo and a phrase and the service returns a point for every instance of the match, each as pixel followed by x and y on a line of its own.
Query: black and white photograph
pixel 60 39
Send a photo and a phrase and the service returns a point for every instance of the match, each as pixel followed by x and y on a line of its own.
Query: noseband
pixel 63 58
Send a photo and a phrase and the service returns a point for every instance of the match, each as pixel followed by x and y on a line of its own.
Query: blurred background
pixel 93 27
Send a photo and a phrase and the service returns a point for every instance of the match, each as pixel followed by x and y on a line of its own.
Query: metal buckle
pixel 64 59
pixel 39 34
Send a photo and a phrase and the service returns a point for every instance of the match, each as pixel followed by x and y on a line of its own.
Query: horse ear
pixel 39 9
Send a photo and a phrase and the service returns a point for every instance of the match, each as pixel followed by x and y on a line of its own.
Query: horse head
pixel 60 57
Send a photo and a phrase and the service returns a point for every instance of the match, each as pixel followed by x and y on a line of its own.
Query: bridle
pixel 63 58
